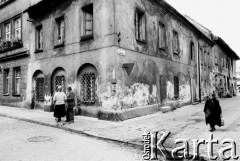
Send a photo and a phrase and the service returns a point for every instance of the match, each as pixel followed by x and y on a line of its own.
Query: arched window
pixel 39 86
pixel 87 78
pixel 59 79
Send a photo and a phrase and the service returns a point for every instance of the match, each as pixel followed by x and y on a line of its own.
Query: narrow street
pixel 23 141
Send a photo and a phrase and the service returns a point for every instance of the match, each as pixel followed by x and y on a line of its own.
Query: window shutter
pixel 41 38
pixel 143 27
pixel 4 81
pixel 62 28
pixel 136 25
pixel 89 23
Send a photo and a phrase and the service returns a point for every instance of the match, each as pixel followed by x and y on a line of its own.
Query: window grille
pixel 60 81
pixel 88 87
pixel 39 89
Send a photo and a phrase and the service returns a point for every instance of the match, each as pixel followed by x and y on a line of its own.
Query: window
pixel 17 28
pixel 88 87
pixel 175 43
pixel 140 25
pixel 161 36
pixel 6 81
pixel 16 80
pixel 201 56
pixel 39 88
pixel 176 87
pixel 216 58
pixel 87 20
pixel 60 30
pixel 205 58
pixel 209 60
pixel 60 81
pixel 191 50
pixel 39 38
pixel 8 31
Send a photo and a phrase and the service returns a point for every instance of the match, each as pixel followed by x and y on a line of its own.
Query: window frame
pixel 176 51
pixel 176 87
pixel 162 43
pixel 140 28
pixel 59 35
pixel 16 81
pixel 6 81
pixel 192 50
pixel 8 23
pixel 39 38
pixel 87 10
pixel 19 27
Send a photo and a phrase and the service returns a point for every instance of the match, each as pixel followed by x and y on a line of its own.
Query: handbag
pixel 222 121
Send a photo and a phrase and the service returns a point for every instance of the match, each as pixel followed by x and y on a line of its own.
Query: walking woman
pixel 59 100
pixel 212 112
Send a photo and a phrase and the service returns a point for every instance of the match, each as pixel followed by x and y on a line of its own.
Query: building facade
pixel 14 52
pixel 115 55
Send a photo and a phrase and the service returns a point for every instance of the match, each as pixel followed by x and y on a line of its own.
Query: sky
pixel 222 17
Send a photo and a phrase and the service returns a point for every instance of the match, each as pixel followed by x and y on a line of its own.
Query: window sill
pixel 141 41
pixel 5 3
pixel 38 50
pixel 16 95
pixel 59 45
pixel 176 52
pixel 6 94
pixel 86 37
pixel 162 48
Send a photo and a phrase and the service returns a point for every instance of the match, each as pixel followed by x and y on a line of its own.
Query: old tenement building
pixel 116 55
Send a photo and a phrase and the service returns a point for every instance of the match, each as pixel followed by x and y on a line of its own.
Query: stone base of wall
pixel 128 113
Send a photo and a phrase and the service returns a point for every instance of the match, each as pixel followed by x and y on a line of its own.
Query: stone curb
pixel 89 134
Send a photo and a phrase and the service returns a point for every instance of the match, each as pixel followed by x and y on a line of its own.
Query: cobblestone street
pixel 184 123
pixel 23 141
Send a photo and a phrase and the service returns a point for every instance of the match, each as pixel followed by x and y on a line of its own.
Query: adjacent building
pixel 115 54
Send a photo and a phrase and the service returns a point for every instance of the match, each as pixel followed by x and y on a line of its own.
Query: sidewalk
pixel 186 123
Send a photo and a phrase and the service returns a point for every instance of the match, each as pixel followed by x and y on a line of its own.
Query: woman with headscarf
pixel 212 112
pixel 59 100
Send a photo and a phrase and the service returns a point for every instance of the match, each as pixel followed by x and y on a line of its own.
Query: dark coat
pixel 213 112
pixel 71 100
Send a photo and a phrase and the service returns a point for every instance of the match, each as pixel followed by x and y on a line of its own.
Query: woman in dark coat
pixel 212 112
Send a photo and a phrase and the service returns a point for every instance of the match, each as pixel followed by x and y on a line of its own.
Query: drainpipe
pixel 199 73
